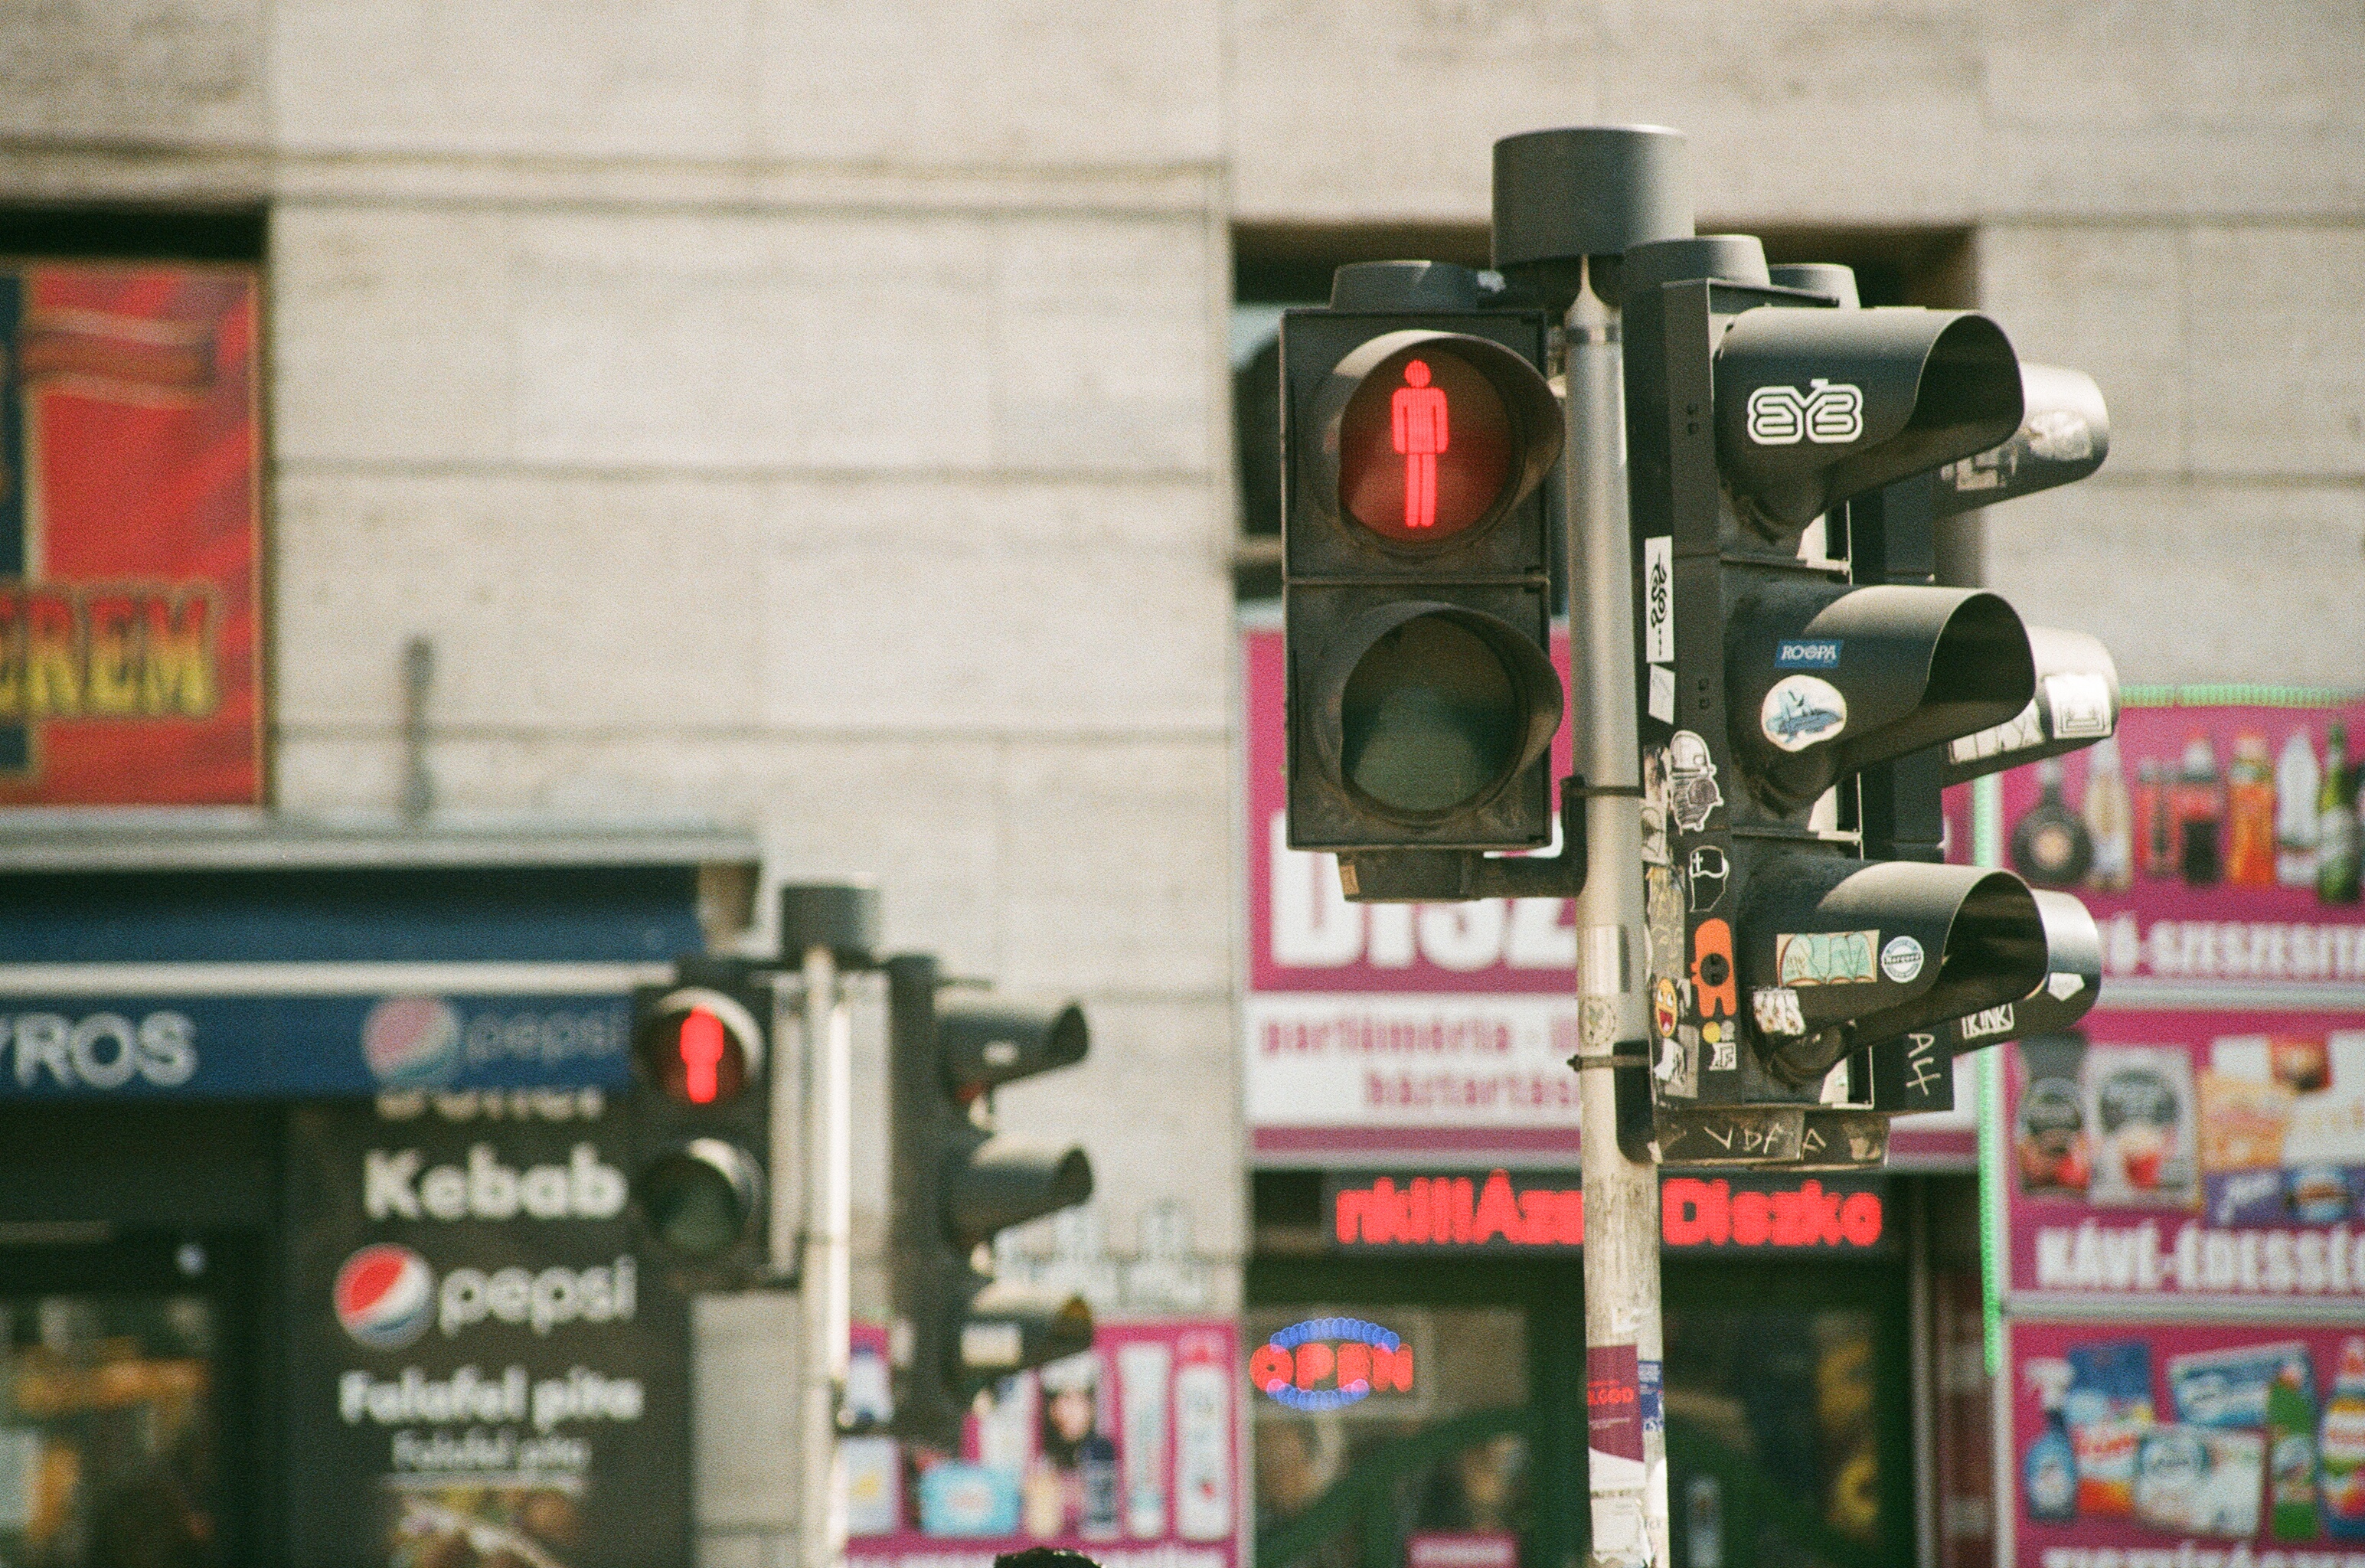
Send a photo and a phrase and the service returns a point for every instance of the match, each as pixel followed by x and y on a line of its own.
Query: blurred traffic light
pixel 955 1183
pixel 700 1051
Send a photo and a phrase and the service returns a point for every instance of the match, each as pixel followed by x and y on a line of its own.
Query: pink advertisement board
pixel 2181 1181
pixel 1127 1453
pixel 2187 1445
pixel 2201 1138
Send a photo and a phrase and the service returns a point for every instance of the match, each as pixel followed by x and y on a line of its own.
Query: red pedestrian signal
pixel 699 1045
pixel 1424 448
pixel 704 1134
pixel 1418 430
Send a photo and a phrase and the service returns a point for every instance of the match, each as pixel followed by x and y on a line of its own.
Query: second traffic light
pixel 1417 433
pixel 701 1051
pixel 1774 673
pixel 955 1183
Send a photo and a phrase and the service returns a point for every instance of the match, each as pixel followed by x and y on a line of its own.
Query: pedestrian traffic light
pixel 954 1182
pixel 1799 694
pixel 1418 436
pixel 702 1122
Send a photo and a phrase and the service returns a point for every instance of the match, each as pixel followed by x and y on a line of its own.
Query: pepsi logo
pixel 411 1042
pixel 385 1295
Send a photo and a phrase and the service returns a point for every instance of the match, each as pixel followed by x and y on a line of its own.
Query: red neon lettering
pixel 1570 1222
pixel 1392 1370
pixel 1695 1213
pixel 1794 1219
pixel 1354 1363
pixel 1353 1217
pixel 1419 425
pixel 1459 1211
pixel 701 1053
pixel 1860 1219
pixel 1752 1218
pixel 1315 1361
pixel 1269 1369
pixel 1498 1212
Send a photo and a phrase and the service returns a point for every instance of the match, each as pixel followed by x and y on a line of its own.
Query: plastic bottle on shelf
pixel 2297 778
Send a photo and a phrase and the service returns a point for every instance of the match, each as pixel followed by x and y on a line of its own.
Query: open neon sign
pixel 1325 1363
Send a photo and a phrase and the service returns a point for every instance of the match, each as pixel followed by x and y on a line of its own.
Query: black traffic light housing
pixel 1419 438
pixel 954 1182
pixel 702 1122
pixel 1777 682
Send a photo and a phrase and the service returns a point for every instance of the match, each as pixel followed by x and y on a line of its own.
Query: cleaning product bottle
pixel 2049 1473
pixel 2340 1447
pixel 2290 1449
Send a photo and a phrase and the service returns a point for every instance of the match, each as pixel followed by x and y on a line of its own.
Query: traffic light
pixel 702 1125
pixel 954 1182
pixel 1800 690
pixel 1417 437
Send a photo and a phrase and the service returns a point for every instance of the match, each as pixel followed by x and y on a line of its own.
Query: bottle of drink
pixel 2198 803
pixel 2290 1449
pixel 2250 814
pixel 2336 819
pixel 2296 781
pixel 2151 819
pixel 2049 845
pixel 2109 817
pixel 2340 1447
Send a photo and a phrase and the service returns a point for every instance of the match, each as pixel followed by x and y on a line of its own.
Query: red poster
pixel 130 555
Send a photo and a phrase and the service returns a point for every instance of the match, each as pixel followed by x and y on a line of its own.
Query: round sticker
pixel 1800 710
pixel 1901 959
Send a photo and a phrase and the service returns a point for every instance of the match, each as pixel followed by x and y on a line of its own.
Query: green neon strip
pixel 1986 820
pixel 2233 696
pixel 1992 1177
pixel 1987 849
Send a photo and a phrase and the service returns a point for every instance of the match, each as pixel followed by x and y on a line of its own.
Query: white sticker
pixel 1800 710
pixel 2060 435
pixel 1659 599
pixel 2080 702
pixel 1692 793
pixel 2019 731
pixel 1994 1021
pixel 1901 959
pixel 1829 413
pixel 1776 1010
pixel 1663 694
pixel 2064 986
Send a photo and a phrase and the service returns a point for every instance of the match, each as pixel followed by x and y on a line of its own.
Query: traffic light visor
pixel 1883 946
pixel 1435 435
pixel 700 1198
pixel 984 1041
pixel 1429 709
pixel 699 1046
pixel 1815 406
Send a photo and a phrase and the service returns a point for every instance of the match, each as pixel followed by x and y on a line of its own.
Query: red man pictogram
pixel 701 1057
pixel 1419 425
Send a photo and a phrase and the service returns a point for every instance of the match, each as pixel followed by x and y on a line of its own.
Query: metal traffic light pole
pixel 823 927
pixel 1568 203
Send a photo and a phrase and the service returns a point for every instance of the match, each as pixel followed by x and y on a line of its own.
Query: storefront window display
pixel 1433 1455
